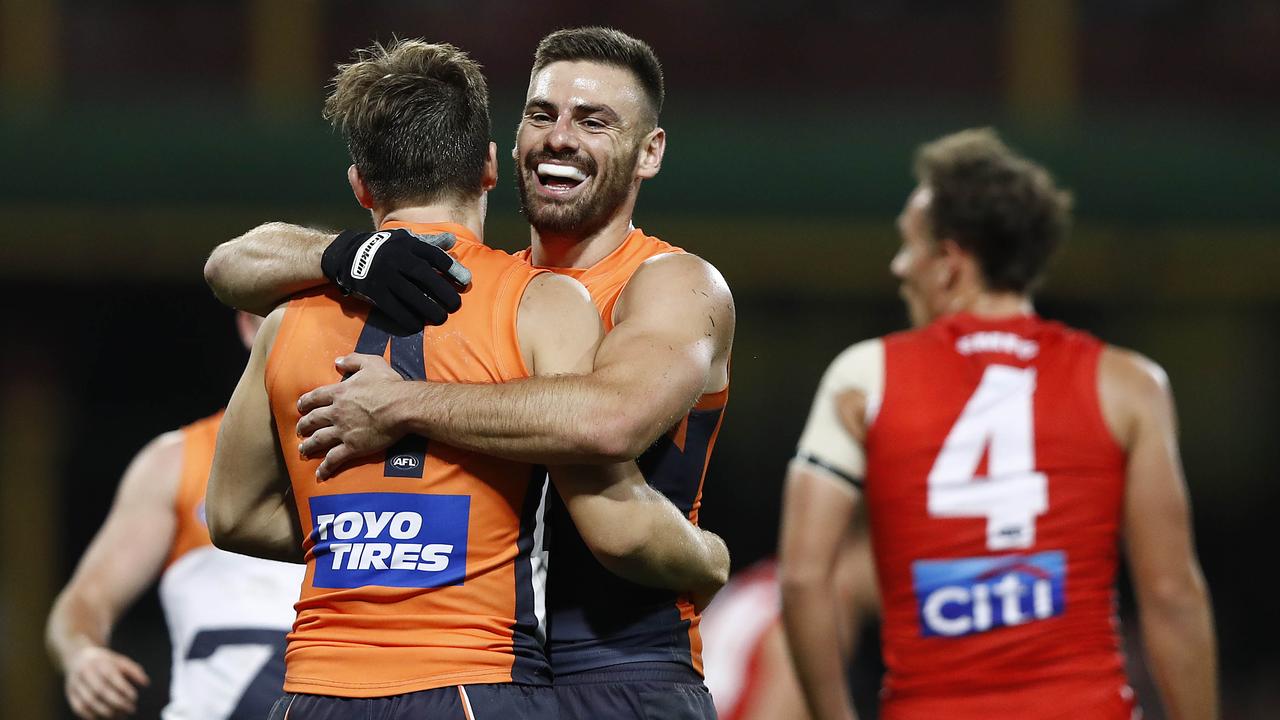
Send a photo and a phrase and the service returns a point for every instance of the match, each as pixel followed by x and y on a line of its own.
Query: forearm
pixel 637 533
pixel 677 555
pixel 260 269
pixel 76 623
pixel 552 420
pixel 810 616
pixel 1181 648
pixel 265 529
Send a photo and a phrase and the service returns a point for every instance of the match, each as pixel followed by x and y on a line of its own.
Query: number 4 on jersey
pixel 997 422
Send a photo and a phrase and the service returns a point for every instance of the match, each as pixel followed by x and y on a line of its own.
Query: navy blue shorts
pixel 503 701
pixel 639 691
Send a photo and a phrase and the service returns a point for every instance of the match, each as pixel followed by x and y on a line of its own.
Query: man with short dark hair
pixel 1002 458
pixel 424 588
pixel 587 141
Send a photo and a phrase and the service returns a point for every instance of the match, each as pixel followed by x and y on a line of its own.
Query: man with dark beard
pixel 588 138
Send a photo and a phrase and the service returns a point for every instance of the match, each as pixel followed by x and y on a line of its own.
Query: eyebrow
pixel 579 109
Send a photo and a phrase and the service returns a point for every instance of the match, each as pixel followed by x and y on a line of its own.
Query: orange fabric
pixel 374 618
pixel 605 281
pixel 198 442
pixel 608 278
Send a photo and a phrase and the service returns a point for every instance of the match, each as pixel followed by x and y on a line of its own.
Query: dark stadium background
pixel 137 134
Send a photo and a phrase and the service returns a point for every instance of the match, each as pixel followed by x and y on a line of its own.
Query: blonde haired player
pixel 227 613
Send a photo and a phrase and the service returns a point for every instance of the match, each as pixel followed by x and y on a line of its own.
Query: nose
pixel 899 265
pixel 563 135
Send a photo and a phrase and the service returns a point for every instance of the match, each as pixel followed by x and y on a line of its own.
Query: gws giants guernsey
pixel 227 613
pixel 597 619
pixel 424 564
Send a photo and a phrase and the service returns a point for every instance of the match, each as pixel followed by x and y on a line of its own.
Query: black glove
pixel 409 277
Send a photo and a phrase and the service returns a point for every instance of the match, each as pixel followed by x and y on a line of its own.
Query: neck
pixel 468 213
pixel 569 250
pixel 992 305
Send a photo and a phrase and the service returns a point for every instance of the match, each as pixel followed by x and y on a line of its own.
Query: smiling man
pixel 587 141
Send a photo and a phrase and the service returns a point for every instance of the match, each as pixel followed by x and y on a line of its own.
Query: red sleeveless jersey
pixel 423 563
pixel 598 620
pixel 995 494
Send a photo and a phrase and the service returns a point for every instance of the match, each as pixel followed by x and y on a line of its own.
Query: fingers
pixel 134 672
pixel 334 460
pixel 319 443
pixel 429 282
pixel 444 241
pixel 318 398
pixel 353 363
pixel 102 691
pixel 313 421
pixel 444 263
pixel 423 305
pixel 403 321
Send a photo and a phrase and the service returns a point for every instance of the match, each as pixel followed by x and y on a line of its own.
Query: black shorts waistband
pixel 651 671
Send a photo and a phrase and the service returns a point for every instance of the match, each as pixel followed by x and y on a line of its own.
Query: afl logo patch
pixel 364 256
pixel 404 462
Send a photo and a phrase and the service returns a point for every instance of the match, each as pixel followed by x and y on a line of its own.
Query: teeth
pixel 561 171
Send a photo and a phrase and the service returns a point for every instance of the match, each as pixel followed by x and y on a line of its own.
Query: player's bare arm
pixel 249 505
pixel 260 269
pixel 123 560
pixel 670 343
pixel 632 529
pixel 817 511
pixel 1173 600
pixel 820 504
pixel 409 277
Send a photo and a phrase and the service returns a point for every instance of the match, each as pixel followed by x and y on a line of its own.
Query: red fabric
pixel 1045 667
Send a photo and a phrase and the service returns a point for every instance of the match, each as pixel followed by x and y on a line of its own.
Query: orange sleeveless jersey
pixel 198 441
pixel 597 619
pixel 995 494
pixel 423 564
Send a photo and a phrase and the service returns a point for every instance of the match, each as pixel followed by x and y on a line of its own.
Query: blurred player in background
pixel 588 139
pixel 749 668
pixel 227 613
pixel 1003 459
pixel 423 595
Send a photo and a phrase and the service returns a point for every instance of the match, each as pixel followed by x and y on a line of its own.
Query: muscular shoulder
pixel 684 270
pixel 860 365
pixel 558 325
pixel 155 472
pixel 549 297
pixel 674 283
pixel 1131 388
pixel 854 382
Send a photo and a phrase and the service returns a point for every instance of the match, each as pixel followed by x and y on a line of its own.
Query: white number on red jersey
pixel 998 420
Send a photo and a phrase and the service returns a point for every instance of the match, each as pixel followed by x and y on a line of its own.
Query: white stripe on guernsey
pixel 466 703
pixel 538 564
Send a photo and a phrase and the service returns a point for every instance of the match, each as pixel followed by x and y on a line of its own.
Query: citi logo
pixel 974 595
pixel 404 462
pixel 364 256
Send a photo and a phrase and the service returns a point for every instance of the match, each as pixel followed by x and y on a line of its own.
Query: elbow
pixel 225 531
pixel 611 438
pixel 619 549
pixel 800 579
pixel 1174 599
pixel 215 271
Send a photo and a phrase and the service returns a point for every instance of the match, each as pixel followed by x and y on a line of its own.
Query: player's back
pixel 596 619
pixel 227 613
pixel 423 565
pixel 995 495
